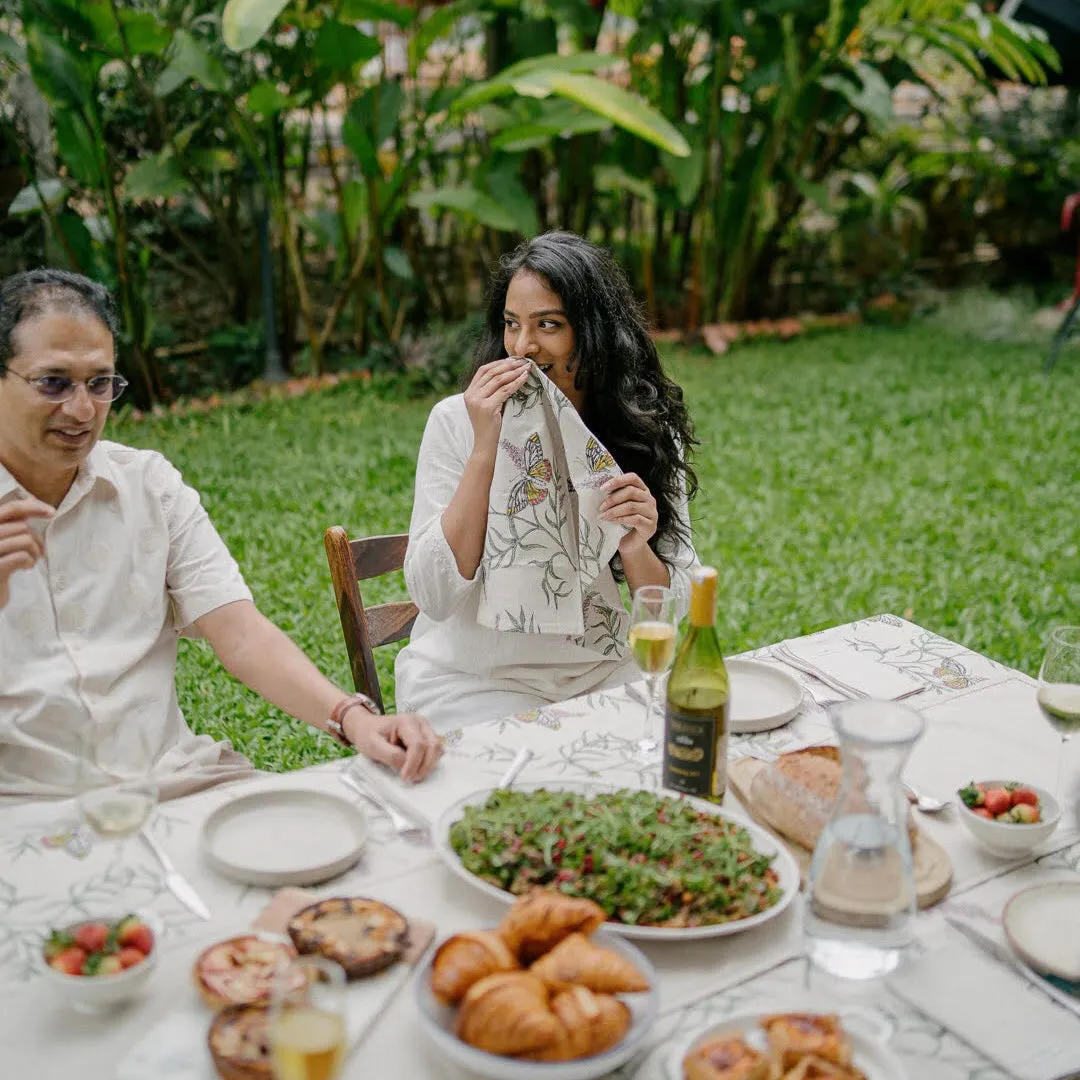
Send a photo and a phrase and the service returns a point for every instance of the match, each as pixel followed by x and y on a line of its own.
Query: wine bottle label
pixel 695 751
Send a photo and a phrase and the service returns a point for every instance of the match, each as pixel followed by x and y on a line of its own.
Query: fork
pixel 404 826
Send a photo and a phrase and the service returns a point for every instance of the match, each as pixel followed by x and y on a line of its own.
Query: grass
pixel 909 470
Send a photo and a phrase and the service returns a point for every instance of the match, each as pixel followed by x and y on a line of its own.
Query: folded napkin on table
pixel 854 674
pixel 993 1009
pixel 546 544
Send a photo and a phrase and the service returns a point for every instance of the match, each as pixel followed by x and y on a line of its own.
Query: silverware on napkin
pixel 176 883
pixel 787 656
pixel 1003 955
pixel 523 757
pixel 405 823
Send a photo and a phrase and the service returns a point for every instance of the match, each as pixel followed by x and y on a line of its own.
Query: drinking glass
pixel 654 621
pixel 117 788
pixel 1059 689
pixel 307 1020
pixel 860 913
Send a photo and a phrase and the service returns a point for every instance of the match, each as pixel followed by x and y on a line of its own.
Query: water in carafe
pixel 860 909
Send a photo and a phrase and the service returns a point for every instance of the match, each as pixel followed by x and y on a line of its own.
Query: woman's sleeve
pixel 431 573
pixel 678 551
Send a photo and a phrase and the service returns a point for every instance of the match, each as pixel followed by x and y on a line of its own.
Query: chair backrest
pixel 365 629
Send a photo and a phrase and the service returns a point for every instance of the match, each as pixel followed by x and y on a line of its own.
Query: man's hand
pixel 20 545
pixel 406 743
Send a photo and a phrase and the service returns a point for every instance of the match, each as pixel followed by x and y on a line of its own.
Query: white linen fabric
pixel 89 636
pixel 546 543
pixel 455 669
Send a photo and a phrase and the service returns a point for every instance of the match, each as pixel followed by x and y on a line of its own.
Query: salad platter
pixel 664 868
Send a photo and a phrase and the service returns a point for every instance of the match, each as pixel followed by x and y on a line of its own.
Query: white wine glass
pixel 307 1020
pixel 1059 689
pixel 117 787
pixel 654 623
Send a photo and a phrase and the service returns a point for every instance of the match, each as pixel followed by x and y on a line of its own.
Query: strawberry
pixel 983 812
pixel 1025 814
pixel 92 936
pixel 102 964
pixel 973 795
pixel 998 800
pixel 1006 817
pixel 129 957
pixel 57 942
pixel 1024 796
pixel 70 961
pixel 134 933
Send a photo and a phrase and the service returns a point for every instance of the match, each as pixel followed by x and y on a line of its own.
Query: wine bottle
pixel 696 713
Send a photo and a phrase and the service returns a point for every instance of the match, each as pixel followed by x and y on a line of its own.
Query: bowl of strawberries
pixel 99 963
pixel 1006 817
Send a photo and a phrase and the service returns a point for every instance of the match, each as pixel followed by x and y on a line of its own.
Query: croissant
pixel 576 961
pixel 465 959
pixel 793 1036
pixel 591 1023
pixel 725 1058
pixel 539 921
pixel 508 1013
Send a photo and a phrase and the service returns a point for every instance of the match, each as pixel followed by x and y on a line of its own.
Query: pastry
pixel 363 936
pixel 576 961
pixel 239 1043
pixel 539 921
pixel 725 1058
pixel 465 959
pixel 508 1013
pixel 590 1024
pixel 816 1068
pixel 242 970
pixel 793 1036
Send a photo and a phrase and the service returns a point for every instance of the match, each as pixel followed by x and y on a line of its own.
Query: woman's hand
pixel 490 389
pixel 629 502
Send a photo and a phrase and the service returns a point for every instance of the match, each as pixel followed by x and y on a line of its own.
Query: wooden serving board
pixel 931 863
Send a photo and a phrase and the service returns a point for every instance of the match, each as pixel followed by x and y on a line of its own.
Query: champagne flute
pixel 117 788
pixel 307 1020
pixel 653 630
pixel 1059 688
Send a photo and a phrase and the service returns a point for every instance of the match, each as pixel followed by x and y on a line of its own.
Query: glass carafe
pixel 860 908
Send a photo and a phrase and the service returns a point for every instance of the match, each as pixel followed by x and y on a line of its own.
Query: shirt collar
pixel 96 468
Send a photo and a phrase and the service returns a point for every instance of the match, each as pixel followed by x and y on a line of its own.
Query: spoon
pixel 926 803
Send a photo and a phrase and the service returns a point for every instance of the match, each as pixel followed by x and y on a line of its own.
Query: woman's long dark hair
pixel 635 410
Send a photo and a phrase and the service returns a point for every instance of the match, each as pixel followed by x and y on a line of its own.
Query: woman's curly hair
pixel 635 410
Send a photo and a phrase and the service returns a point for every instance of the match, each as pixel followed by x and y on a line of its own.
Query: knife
pixel 176 883
pixel 1004 955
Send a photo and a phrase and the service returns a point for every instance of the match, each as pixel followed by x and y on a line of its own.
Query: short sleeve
pixel 431 572
pixel 200 574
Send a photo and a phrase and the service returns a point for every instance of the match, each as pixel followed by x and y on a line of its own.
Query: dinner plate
pixel 867 1032
pixel 285 837
pixel 762 698
pixel 1042 925
pixel 437 1020
pixel 786 868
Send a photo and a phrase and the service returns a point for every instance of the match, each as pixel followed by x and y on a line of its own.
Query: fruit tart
pixel 242 970
pixel 363 936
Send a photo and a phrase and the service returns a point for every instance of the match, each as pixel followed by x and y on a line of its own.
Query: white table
pixel 982 721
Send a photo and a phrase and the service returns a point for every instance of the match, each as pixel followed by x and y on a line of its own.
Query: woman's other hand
pixel 629 502
pixel 490 389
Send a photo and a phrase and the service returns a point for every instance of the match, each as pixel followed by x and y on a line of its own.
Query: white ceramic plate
pixel 437 1020
pixel 1043 927
pixel 867 1032
pixel 284 837
pixel 762 698
pixel 783 863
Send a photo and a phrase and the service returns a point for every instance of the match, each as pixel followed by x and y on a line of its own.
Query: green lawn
pixel 858 472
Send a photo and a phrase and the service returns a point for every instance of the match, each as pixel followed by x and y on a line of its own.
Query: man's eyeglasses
pixel 59 388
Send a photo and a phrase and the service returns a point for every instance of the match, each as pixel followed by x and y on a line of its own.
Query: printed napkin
pixel 546 544
pixel 854 674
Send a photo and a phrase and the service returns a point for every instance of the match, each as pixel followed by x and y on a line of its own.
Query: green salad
pixel 645 859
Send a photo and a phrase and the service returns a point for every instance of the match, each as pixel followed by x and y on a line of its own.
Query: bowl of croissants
pixel 545 994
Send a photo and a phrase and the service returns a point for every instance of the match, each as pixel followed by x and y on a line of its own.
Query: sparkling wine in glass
pixel 1059 687
pixel 117 788
pixel 653 633
pixel 307 1020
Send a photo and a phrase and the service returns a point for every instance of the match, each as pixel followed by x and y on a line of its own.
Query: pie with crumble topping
pixel 363 936
pixel 239 1043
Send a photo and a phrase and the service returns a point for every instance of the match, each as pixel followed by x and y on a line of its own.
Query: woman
pixel 564 305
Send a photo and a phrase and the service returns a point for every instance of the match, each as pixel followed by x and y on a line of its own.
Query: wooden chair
pixel 365 629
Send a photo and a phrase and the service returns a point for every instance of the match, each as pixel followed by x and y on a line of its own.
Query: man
pixel 106 556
